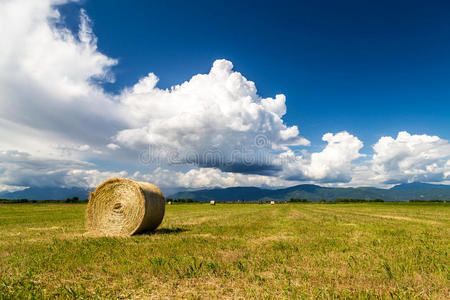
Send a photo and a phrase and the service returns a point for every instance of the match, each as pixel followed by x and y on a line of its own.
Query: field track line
pixel 391 217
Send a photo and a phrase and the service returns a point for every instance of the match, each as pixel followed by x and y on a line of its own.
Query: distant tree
pixel 296 200
pixel 182 200
pixel 72 200
pixel 24 200
pixel 426 201
pixel 345 200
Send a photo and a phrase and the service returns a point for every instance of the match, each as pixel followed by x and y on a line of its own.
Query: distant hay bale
pixel 212 202
pixel 272 202
pixel 169 203
pixel 121 206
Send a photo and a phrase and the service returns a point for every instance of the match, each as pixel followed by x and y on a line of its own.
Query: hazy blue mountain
pixel 402 192
pixel 223 195
pixel 419 186
pixel 47 193
pixel 317 193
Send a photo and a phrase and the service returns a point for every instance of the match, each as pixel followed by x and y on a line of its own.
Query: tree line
pixel 25 200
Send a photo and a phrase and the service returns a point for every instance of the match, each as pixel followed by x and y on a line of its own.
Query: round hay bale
pixel 272 202
pixel 212 202
pixel 121 206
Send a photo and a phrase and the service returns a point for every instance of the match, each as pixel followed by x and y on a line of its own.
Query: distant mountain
pixel 418 186
pixel 47 193
pixel 316 193
pixel 402 192
pixel 223 195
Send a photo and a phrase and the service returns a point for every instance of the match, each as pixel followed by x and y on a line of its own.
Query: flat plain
pixel 376 250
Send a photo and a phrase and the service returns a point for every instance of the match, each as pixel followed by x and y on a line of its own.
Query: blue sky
pixel 339 93
pixel 372 69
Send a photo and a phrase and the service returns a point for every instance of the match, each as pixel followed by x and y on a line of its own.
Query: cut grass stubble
pixel 239 250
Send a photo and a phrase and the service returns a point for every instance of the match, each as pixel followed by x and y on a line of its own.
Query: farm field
pixel 229 251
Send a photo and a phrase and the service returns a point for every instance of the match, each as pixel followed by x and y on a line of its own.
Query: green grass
pixel 231 250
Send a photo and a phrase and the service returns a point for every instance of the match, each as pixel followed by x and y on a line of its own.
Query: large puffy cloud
pixel 21 169
pixel 59 116
pixel 333 164
pixel 212 120
pixel 52 114
pixel 48 76
pixel 411 157
pixel 52 101
pixel 207 178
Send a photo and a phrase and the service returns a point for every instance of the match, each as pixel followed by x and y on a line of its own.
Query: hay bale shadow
pixel 175 230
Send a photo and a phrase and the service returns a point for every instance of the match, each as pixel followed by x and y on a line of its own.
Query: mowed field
pixel 231 251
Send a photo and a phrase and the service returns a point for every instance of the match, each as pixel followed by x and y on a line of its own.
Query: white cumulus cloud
pixel 208 178
pixel 48 94
pixel 21 169
pixel 411 157
pixel 219 111
pixel 333 164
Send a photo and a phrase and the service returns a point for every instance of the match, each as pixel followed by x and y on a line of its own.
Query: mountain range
pixel 401 192
pixel 47 193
